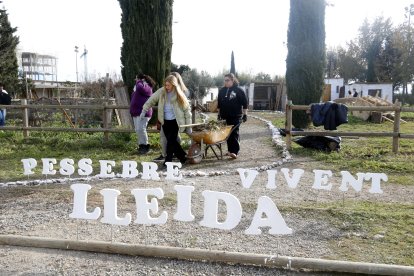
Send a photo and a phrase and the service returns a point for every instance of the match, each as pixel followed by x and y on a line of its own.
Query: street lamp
pixel 76 51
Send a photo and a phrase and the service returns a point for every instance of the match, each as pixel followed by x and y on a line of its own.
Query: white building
pixel 381 90
pixel 335 88
pixel 212 94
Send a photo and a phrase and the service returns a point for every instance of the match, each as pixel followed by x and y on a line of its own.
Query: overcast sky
pixel 204 32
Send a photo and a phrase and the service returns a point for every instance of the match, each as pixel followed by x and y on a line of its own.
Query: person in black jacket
pixel 5 99
pixel 232 107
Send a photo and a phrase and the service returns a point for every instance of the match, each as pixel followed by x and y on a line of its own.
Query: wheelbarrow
pixel 204 140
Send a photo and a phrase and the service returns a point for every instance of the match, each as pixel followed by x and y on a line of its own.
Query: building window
pixel 374 92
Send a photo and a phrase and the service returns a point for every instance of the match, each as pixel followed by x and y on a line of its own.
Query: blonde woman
pixel 163 139
pixel 180 82
pixel 173 111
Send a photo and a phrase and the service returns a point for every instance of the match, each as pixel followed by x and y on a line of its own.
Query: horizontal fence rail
pixel 106 122
pixel 395 134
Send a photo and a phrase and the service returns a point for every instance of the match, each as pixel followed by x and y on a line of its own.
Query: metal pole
pixel 76 61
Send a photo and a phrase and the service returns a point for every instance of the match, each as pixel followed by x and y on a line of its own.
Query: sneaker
pixel 183 161
pixel 232 155
pixel 159 158
pixel 163 167
pixel 143 149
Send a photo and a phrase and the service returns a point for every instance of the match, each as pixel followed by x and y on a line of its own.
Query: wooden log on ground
pixel 276 261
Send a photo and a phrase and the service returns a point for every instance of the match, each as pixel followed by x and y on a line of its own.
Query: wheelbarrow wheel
pixel 195 155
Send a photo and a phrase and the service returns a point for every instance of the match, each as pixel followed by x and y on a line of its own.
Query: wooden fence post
pixel 288 125
pixel 26 132
pixel 396 138
pixel 105 122
pixel 193 110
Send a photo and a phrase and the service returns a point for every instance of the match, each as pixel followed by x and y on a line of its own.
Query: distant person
pixel 355 93
pixel 163 139
pixel 142 92
pixel 232 107
pixel 349 93
pixel 5 99
pixel 173 111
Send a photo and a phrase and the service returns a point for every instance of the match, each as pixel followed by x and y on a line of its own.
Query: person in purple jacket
pixel 142 91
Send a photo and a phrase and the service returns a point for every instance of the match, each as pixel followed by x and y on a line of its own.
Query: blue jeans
pixel 2 117
pixel 141 129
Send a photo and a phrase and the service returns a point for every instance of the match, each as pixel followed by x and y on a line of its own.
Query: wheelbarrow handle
pixel 192 125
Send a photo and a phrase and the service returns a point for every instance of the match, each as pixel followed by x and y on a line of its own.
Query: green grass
pixel 358 221
pixel 375 232
pixel 371 231
pixel 121 146
pixel 367 154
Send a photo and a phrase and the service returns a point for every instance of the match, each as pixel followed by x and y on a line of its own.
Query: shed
pixel 266 96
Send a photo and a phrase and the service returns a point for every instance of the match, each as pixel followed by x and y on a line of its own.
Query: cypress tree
pixel 305 63
pixel 232 65
pixel 146 28
pixel 8 59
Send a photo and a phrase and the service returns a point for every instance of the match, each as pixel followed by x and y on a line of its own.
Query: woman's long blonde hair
pixel 180 81
pixel 181 98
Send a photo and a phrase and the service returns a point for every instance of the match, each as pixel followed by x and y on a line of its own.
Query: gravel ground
pixel 25 211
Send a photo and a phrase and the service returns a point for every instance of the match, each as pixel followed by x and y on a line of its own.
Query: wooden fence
pixel 106 122
pixel 395 134
pixel 106 110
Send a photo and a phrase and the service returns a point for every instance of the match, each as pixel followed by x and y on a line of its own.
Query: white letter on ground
pixel 129 169
pixel 322 180
pixel 184 203
pixel 234 210
pixel 85 166
pixel 80 194
pixel 271 179
pixel 347 178
pixel 48 166
pixel 297 174
pixel 273 219
pixel 376 181
pixel 111 208
pixel 247 177
pixel 149 171
pixel 28 165
pixel 172 171
pixel 66 166
pixel 143 206
pixel 106 168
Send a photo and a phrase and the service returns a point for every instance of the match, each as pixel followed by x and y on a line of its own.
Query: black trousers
pixel 170 128
pixel 233 142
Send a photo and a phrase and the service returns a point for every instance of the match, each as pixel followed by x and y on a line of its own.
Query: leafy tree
pixel 372 38
pixel 179 69
pixel 197 83
pixel 219 78
pixel 146 28
pixel 306 55
pixel 232 65
pixel 97 88
pixel 23 86
pixel 390 61
pixel 262 77
pixel 332 69
pixel 350 63
pixel 244 78
pixel 8 59
pixel 279 79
